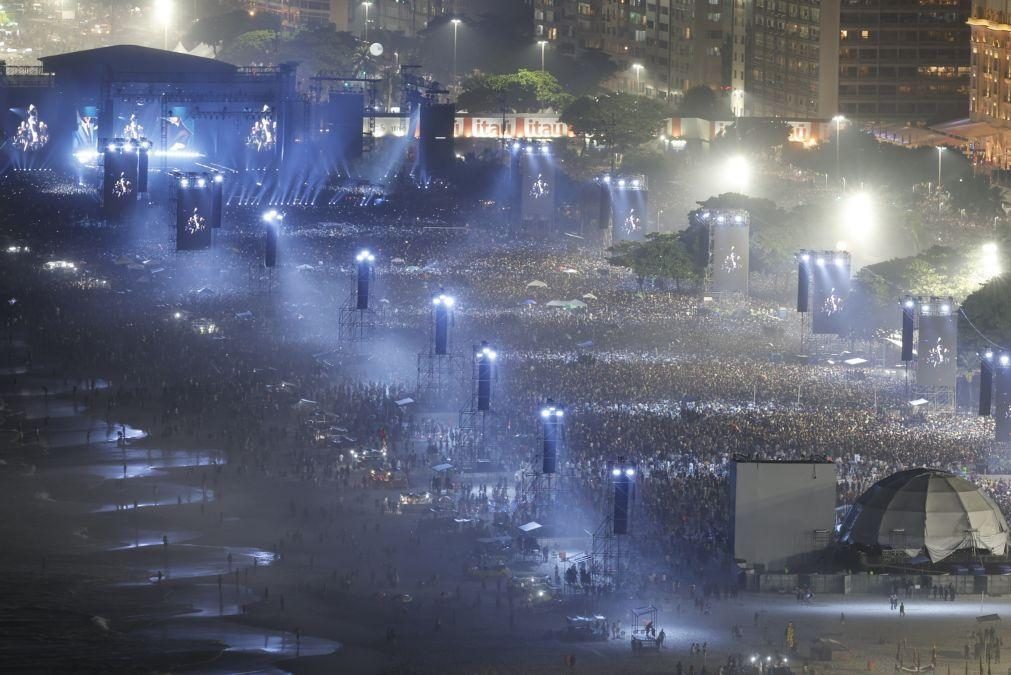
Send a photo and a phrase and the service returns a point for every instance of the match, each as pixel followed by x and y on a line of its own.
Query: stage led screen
pixel 830 290
pixel 1002 402
pixel 537 196
pixel 26 129
pixel 86 134
pixel 937 348
pixel 193 218
pixel 119 188
pixel 262 135
pixel 730 255
pixel 628 214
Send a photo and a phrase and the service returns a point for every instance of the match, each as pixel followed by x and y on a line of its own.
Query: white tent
pixel 926 509
pixel 537 284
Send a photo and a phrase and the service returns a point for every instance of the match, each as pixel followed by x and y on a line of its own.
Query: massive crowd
pixel 647 377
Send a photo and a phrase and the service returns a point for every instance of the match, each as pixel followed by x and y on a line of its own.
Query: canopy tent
pixel 926 510
pixel 537 284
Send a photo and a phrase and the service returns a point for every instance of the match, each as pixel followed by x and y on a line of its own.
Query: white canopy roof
pixel 926 509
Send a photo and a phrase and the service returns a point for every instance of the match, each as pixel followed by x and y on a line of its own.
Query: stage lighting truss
pixel 273 216
pixel 443 300
pixel 824 258
pixel 726 217
pixel 930 306
pixel 198 180
pixel 530 147
pixel 550 411
pixel 121 146
pixel 623 470
pixel 628 182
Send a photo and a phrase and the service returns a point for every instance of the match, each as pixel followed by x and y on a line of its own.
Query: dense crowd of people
pixel 648 377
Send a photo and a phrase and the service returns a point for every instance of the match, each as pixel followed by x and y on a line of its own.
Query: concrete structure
pixel 308 12
pixel 782 513
pixel 676 44
pixel 904 60
pixel 792 64
pixel 398 16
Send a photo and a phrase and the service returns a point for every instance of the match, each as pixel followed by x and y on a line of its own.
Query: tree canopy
pixel 522 91
pixel 620 121
pixel 660 256
pixel 989 311
pixel 699 101
pixel 316 49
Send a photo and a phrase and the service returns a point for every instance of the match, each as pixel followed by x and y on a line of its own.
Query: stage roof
pixel 136 59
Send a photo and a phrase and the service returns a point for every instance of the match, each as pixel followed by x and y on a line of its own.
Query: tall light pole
pixel 637 67
pixel 940 153
pixel 366 5
pixel 163 14
pixel 456 26
pixel 542 44
pixel 838 119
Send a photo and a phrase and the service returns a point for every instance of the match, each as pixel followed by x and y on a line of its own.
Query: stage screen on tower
pixel 937 348
pixel 830 291
pixel 1002 402
pixel 193 218
pixel 537 199
pixel 730 253
pixel 119 188
pixel 629 204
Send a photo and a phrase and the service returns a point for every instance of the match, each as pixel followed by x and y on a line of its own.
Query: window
pixel 865 35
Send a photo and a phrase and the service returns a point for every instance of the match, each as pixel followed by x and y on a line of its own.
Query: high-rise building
pixel 397 16
pixel 792 67
pixel 866 59
pixel 661 47
pixel 309 12
pixel 906 60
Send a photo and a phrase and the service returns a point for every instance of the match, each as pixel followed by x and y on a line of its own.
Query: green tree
pixel 660 256
pixel 755 136
pixel 254 47
pixel 989 311
pixel 582 75
pixel 620 121
pixel 520 92
pixel 324 49
pixel 699 101
pixel 224 29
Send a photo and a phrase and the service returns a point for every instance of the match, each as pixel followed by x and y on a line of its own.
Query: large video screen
pixel 830 291
pixel 193 218
pixel 628 213
pixel 27 129
pixel 730 255
pixel 262 135
pixel 119 190
pixel 937 348
pixel 537 185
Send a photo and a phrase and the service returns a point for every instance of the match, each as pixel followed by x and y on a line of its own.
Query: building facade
pixel 793 58
pixel 397 16
pixel 865 59
pixel 905 60
pixel 308 12
pixel 988 138
pixel 662 47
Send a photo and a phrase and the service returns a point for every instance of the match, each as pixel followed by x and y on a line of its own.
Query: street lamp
pixel 838 119
pixel 366 5
pixel 163 14
pixel 542 44
pixel 456 26
pixel 637 67
pixel 940 153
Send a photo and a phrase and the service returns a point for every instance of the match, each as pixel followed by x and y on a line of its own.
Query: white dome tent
pixel 926 510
